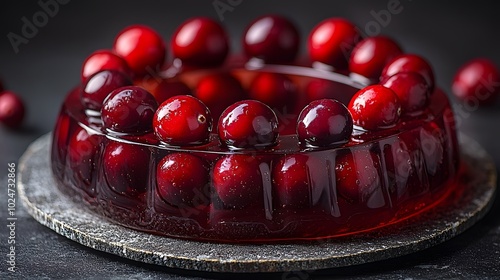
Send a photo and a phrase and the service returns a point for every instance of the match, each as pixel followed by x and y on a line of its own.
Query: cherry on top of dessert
pixel 12 109
pixel 410 63
pixel 275 90
pixel 176 183
pixel 332 41
pixel 272 38
pixel 375 107
pixel 104 60
pixel 218 91
pixel 248 124
pixel 129 109
pixel 142 48
pixel 412 91
pixel 169 88
pixel 201 42
pixel 100 85
pixel 370 56
pixel 183 121
pixel 477 81
pixel 324 123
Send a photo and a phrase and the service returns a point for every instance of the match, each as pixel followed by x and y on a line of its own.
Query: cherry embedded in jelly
pixel 275 90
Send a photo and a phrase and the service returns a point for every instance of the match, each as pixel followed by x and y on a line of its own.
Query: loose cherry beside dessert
pixel 12 109
pixel 477 82
pixel 375 107
pixel 332 41
pixel 272 38
pixel 324 123
pixel 248 124
pixel 142 48
pixel 182 121
pixel 200 42
pixel 129 110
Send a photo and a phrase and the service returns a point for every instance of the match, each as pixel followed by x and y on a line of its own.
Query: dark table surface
pixel 47 64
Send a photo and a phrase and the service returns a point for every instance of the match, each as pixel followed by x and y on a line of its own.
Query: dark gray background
pixel 448 33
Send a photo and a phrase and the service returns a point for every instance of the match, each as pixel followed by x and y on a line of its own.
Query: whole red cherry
pixel 358 179
pixel 323 123
pixel 477 82
pixel 412 91
pixel 142 48
pixel 410 63
pixel 126 168
pixel 218 91
pixel 200 42
pixel 275 90
pixel 82 151
pixel 181 179
pixel 237 180
pixel 104 60
pixel 272 38
pixel 12 109
pixel 332 41
pixel 100 85
pixel 375 107
pixel 248 124
pixel 183 120
pixel 370 56
pixel 129 110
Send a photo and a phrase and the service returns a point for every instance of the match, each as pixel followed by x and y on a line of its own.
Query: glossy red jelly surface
pixel 285 192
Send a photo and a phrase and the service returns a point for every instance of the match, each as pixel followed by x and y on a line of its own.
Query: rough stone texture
pixel 58 212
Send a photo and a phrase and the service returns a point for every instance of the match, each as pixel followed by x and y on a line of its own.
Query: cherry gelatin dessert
pixel 242 150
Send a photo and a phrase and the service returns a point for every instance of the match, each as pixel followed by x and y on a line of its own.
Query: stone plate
pixel 51 208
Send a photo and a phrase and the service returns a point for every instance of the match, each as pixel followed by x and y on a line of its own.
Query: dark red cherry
pixel 142 48
pixel 12 109
pixel 104 60
pixel 167 89
pixel 371 55
pixel 100 85
pixel 410 63
pixel 275 90
pixel 332 41
pixel 129 110
pixel 271 38
pixel 181 179
pixel 200 42
pixel 218 91
pixel 323 123
pixel 237 180
pixel 412 91
pixel 324 89
pixel 126 167
pixel 375 107
pixel 82 151
pixel 294 180
pixel 182 120
pixel 247 124
pixel 357 178
pixel 477 82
